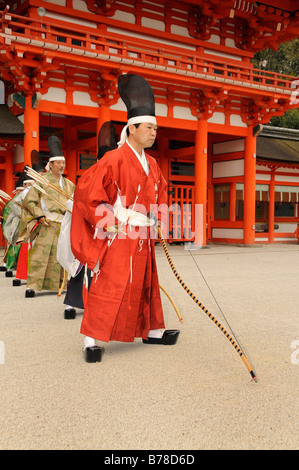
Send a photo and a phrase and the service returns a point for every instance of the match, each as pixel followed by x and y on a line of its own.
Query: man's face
pixel 57 167
pixel 144 135
pixel 26 185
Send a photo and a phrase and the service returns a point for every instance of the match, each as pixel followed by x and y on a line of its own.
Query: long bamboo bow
pixel 193 297
pixel 6 196
pixel 172 303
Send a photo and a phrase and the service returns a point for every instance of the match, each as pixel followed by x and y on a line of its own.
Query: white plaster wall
pixel 82 98
pixel 234 233
pixel 58 95
pixel 229 168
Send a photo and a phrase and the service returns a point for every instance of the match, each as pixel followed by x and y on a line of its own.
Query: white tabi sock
pixel 155 333
pixel 89 342
pixel 68 307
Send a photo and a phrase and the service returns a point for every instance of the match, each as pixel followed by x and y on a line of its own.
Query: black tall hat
pixel 34 156
pixel 19 181
pixel 36 161
pixel 38 167
pixel 107 139
pixel 26 178
pixel 55 149
pixel 139 99
pixel 137 95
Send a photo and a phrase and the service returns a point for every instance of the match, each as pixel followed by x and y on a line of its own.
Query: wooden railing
pixel 181 212
pixel 90 44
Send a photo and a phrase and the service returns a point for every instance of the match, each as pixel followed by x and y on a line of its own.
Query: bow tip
pixel 254 377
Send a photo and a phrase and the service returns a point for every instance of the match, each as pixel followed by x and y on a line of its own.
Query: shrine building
pixel 59 65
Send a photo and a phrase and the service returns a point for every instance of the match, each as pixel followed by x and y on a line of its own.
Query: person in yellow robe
pixel 46 212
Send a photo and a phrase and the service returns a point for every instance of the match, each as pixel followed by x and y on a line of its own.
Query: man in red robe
pixel 111 233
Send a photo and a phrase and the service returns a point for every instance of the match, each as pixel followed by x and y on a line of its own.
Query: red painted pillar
pixel 249 188
pixel 210 189
pixel 271 208
pixel 71 151
pixel 200 190
pixel 232 202
pixel 163 145
pixel 31 128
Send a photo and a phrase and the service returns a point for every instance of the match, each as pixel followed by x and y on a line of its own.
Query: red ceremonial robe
pixel 22 267
pixel 124 299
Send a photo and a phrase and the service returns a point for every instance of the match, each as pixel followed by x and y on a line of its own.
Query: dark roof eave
pixel 280 132
pixel 10 125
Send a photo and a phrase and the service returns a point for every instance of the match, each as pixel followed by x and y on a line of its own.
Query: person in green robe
pixel 13 250
pixel 44 213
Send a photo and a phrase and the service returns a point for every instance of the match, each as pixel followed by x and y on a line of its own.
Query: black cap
pixel 137 95
pixel 38 168
pixel 55 146
pixel 107 139
pixel 19 181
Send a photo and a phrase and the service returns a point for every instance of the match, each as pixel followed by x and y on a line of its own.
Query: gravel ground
pixel 196 395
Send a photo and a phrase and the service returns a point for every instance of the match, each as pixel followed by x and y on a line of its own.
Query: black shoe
pixel 9 273
pixel 93 354
pixel 3 268
pixel 29 293
pixel 16 282
pixel 69 314
pixel 169 337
